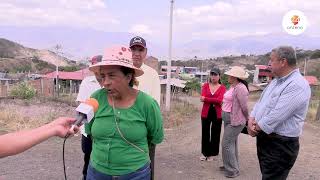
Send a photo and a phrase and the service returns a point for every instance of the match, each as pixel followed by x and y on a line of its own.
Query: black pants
pixel 211 129
pixel 86 145
pixel 277 154
pixel 152 152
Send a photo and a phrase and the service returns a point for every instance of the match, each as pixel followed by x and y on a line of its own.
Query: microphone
pixel 85 111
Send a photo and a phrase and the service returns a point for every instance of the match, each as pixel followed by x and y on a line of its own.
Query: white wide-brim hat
pixel 117 56
pixel 238 72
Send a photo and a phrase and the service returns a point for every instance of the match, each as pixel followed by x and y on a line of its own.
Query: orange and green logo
pixel 295 19
pixel 294 22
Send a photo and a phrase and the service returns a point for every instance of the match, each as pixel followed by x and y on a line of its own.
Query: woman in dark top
pixel 211 96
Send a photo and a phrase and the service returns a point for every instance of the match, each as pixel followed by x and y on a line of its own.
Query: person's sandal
pixel 203 158
pixel 210 158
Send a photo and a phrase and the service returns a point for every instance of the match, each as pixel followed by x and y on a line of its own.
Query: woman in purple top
pixel 235 116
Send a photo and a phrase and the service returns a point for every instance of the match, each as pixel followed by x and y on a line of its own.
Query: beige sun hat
pixel 238 72
pixel 117 56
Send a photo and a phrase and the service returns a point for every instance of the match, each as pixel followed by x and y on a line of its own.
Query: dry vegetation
pixel 311 115
pixel 18 114
pixel 21 114
pixel 181 112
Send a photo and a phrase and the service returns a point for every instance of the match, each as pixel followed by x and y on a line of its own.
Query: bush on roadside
pixel 23 90
pixel 193 85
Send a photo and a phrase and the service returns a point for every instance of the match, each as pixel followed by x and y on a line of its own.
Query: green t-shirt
pixel 140 124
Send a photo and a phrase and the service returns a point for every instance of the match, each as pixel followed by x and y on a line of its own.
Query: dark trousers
pixel 277 154
pixel 86 145
pixel 152 152
pixel 211 129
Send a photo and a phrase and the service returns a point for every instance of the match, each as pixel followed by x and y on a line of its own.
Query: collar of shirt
pixel 284 78
pixel 143 66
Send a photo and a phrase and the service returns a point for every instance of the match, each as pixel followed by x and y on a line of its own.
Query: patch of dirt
pixel 176 158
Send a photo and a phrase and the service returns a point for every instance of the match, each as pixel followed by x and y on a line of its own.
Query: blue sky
pixel 208 20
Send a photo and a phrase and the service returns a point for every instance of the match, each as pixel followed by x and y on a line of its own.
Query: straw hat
pixel 117 56
pixel 238 72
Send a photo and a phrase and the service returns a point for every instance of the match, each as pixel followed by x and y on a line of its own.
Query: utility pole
pixel 201 72
pixel 305 67
pixel 57 48
pixel 168 89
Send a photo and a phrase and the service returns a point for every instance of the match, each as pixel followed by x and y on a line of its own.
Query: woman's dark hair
pixel 126 71
pixel 209 79
pixel 244 82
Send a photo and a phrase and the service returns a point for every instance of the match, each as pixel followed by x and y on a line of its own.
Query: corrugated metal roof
pixel 262 66
pixel 174 82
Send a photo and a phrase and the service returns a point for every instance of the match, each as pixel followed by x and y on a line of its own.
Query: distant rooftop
pixel 312 80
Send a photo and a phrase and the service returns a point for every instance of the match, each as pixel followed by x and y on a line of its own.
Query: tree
pixel 315 55
pixel 69 68
pixel 224 80
pixel 193 85
pixel 23 90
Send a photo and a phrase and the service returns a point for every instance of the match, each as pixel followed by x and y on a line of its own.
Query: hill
pixel 313 63
pixel 84 42
pixel 16 58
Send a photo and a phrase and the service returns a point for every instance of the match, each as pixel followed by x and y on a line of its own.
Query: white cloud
pixel 209 21
pixel 140 29
pixel 239 18
pixel 201 9
pixel 83 4
pixel 74 13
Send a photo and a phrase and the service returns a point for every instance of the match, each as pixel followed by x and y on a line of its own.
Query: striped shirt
pixel 283 105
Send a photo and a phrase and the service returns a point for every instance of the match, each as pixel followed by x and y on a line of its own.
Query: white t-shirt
pixel 88 86
pixel 149 82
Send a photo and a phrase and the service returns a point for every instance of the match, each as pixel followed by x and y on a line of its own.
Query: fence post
pixel 70 87
pixel 7 91
pixel 41 84
pixel 318 112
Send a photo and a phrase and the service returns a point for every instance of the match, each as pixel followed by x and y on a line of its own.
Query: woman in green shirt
pixel 126 122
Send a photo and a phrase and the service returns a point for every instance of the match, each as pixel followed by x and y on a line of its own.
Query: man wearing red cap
pixel 149 82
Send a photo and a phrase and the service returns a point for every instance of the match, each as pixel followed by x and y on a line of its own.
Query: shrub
pixel 23 90
pixel 69 68
pixel 224 80
pixel 193 85
pixel 315 55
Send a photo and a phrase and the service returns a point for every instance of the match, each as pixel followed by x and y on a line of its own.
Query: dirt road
pixel 177 158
